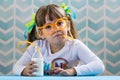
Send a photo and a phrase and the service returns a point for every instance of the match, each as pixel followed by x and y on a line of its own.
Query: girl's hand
pixel 67 72
pixel 29 69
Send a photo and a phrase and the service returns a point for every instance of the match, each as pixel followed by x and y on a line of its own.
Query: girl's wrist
pixel 72 71
pixel 23 73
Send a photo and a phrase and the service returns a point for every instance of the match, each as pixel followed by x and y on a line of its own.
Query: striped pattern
pixel 6 37
pixel 112 37
pixel 98 25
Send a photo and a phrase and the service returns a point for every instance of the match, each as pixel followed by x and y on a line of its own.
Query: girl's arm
pixel 23 61
pixel 92 64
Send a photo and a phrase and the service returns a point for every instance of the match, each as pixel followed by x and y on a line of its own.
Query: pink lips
pixel 58 35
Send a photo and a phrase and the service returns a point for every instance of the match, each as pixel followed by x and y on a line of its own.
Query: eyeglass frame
pixel 53 24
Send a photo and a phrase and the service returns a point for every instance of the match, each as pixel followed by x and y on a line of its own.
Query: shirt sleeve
pixel 26 57
pixel 92 65
pixel 23 61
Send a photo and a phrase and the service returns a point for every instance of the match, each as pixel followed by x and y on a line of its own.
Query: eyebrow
pixel 53 21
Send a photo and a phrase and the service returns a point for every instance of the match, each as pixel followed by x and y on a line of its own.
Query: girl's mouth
pixel 58 35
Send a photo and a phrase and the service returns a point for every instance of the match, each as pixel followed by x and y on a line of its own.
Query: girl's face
pixel 55 31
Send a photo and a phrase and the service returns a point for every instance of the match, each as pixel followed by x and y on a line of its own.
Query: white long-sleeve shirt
pixel 69 56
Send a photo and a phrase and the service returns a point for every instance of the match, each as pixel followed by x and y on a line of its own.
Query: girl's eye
pixel 59 23
pixel 48 27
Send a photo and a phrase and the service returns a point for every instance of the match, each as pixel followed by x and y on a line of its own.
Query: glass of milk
pixel 39 62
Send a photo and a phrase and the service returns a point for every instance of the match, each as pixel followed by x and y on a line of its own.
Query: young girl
pixel 55 32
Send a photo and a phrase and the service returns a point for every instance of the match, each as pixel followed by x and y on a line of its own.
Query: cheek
pixel 48 38
pixel 47 33
pixel 65 31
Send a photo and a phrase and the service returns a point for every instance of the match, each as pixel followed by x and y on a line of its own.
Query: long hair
pixel 50 11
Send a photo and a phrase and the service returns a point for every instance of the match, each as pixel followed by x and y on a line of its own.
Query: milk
pixel 40 64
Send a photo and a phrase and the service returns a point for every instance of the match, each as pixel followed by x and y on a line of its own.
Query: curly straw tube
pixel 36 47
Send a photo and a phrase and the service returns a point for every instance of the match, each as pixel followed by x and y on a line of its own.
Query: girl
pixel 55 30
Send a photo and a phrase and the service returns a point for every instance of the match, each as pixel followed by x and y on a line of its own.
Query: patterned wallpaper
pixel 98 24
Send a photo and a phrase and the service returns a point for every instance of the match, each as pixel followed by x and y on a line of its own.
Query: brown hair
pixel 50 11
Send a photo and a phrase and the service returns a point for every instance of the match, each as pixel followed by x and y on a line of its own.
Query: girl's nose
pixel 56 30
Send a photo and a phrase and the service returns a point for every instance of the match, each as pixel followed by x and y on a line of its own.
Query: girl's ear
pixel 40 33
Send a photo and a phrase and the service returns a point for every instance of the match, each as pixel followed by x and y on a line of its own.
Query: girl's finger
pixel 33 66
pixel 63 72
pixel 32 62
pixel 33 70
pixel 58 70
pixel 30 73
